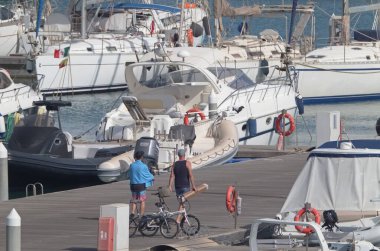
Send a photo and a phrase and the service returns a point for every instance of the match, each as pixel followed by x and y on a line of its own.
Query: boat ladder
pixel 33 189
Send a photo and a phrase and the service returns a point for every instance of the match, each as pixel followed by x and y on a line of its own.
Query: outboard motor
pixel 331 218
pixel 151 149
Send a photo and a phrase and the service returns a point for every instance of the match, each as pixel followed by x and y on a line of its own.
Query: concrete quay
pixel 69 220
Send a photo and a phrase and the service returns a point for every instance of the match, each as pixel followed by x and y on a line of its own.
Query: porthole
pixel 244 127
pixel 268 120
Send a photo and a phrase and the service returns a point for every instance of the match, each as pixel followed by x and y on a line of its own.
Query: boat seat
pixel 183 132
pixel 157 104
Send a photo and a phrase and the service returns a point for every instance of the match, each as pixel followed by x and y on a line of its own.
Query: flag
pixel 66 51
pixel 63 63
pixel 57 53
pixel 39 15
pixel 152 27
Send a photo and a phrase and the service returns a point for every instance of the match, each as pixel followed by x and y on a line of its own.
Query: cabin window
pixel 111 48
pixel 356 48
pixel 89 49
pixel 316 56
pixel 4 81
pixel 256 54
pixel 236 55
pixel 368 57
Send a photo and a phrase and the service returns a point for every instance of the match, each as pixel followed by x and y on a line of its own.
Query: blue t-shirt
pixel 139 173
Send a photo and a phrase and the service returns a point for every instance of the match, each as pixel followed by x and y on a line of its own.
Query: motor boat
pixel 335 199
pixel 207 142
pixel 41 152
pixel 15 97
pixel 210 82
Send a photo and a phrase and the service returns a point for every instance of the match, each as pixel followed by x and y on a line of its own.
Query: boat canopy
pixel 343 180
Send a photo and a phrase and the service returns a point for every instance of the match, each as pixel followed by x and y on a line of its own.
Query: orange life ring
pixel 193 110
pixel 291 121
pixel 307 230
pixel 231 199
pixel 190 37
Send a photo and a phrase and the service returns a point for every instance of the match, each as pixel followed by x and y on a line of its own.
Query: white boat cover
pixel 343 180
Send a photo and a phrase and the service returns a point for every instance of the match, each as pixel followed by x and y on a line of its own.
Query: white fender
pixel 115 168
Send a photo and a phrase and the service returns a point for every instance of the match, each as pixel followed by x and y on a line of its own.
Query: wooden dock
pixel 69 220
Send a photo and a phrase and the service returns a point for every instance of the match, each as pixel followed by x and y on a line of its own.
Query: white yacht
pixel 210 82
pixel 345 70
pixel 112 37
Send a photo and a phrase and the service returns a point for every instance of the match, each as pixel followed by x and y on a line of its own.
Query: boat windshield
pixel 158 75
pixel 234 78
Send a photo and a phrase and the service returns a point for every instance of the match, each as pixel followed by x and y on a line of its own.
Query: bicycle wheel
pixel 169 228
pixel 133 226
pixel 190 225
pixel 148 226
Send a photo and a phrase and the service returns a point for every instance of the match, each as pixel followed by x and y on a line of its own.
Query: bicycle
pixel 189 223
pixel 149 224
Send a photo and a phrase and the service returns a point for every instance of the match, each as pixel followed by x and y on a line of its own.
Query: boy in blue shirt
pixel 139 176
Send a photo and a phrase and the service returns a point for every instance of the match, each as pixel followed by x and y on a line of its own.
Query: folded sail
pixel 223 8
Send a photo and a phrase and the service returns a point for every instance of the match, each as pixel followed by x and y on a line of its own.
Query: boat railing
pixel 253 241
pixel 271 83
pixel 33 188
pixel 15 93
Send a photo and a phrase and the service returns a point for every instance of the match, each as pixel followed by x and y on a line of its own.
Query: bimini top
pixel 340 179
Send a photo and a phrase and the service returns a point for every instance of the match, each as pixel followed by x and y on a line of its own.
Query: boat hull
pixel 49 170
pixel 339 82
pixel 84 73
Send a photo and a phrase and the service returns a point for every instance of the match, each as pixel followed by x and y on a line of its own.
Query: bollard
pixel 3 173
pixel 13 231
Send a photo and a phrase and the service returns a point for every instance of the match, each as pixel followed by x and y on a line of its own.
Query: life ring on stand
pixel 193 110
pixel 307 230
pixel 231 199
pixel 291 121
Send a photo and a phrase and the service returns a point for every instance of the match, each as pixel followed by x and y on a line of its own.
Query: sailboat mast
pixel 181 22
pixel 84 19
pixel 346 23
